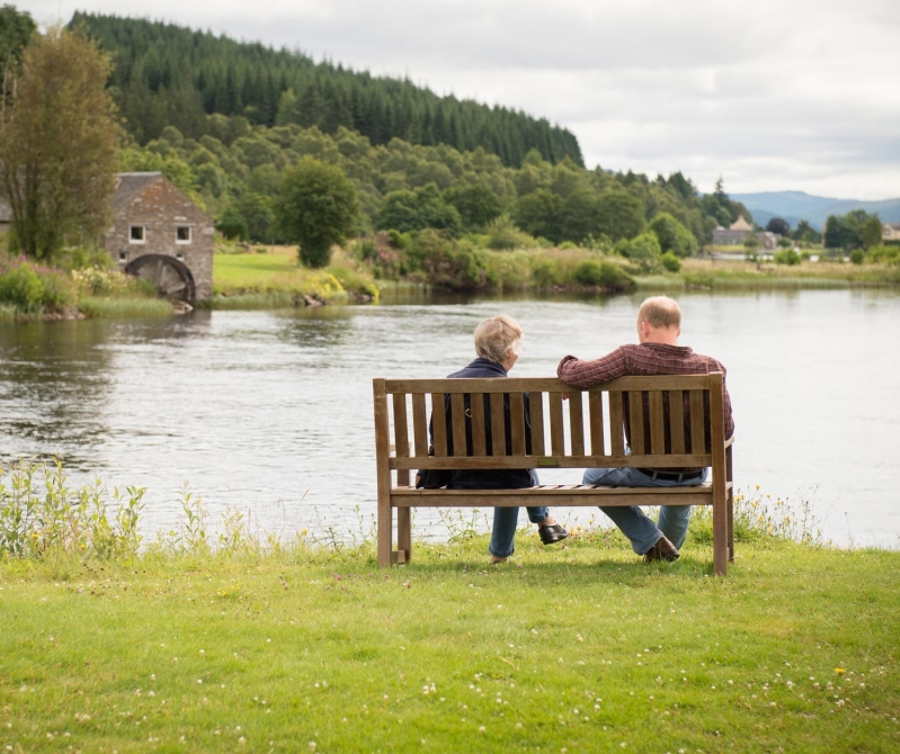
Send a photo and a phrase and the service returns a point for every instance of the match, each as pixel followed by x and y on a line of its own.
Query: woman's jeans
pixel 632 521
pixel 503 532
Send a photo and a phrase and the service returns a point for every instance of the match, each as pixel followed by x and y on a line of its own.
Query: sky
pixel 769 95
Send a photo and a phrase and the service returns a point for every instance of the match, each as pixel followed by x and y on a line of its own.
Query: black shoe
pixel 551 533
pixel 662 550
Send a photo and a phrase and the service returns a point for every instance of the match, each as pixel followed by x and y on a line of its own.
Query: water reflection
pixel 54 381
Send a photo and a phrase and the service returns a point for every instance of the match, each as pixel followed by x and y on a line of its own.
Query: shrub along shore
pixel 205 641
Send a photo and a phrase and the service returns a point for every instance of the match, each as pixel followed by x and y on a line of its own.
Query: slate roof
pixel 129 185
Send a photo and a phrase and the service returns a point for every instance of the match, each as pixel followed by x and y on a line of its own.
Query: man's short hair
pixel 660 312
pixel 496 336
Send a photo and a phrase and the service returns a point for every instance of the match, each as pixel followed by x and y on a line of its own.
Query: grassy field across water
pixel 578 648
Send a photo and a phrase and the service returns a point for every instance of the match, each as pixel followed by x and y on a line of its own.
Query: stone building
pixel 160 235
pixel 738 232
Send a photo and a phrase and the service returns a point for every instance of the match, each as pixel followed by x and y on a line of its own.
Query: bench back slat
pixel 576 423
pixel 479 435
pixel 698 423
pixel 401 433
pixel 657 423
pixel 636 420
pixel 557 429
pixel 498 426
pixel 439 428
pixel 595 407
pixel 517 423
pixel 488 427
pixel 676 415
pixel 537 423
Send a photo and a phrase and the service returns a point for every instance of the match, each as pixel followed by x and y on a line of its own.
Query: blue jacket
pixel 494 478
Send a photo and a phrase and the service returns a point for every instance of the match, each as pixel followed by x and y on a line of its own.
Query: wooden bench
pixel 587 430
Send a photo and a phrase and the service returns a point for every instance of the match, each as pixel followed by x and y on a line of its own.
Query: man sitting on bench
pixel 658 352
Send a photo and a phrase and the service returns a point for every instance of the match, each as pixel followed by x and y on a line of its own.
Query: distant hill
pixel 795 206
pixel 166 75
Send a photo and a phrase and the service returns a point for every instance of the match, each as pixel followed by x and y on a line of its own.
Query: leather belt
pixel 672 476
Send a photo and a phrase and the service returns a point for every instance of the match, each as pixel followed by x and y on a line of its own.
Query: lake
pixel 271 412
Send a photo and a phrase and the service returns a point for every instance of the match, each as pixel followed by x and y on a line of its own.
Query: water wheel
pixel 171 276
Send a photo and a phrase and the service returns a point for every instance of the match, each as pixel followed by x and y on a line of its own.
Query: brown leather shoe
pixel 662 550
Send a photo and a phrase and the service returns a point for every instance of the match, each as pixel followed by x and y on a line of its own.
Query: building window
pixel 137 234
pixel 123 256
pixel 183 234
pixel 179 255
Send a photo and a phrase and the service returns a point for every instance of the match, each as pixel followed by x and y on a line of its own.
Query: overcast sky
pixel 771 95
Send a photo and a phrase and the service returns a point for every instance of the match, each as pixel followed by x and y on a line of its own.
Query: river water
pixel 270 413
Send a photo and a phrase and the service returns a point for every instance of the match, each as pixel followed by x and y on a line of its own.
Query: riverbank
pixel 578 648
pixel 268 277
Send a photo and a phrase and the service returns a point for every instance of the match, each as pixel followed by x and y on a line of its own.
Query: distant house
pixel 738 232
pixel 160 235
pixel 890 231
pixel 768 240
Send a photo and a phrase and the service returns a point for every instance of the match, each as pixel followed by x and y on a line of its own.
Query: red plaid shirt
pixel 643 359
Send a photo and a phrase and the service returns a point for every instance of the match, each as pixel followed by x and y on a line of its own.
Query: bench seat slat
pixel 574 495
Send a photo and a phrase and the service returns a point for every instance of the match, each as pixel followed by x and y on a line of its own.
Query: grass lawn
pixel 575 648
pixel 273 279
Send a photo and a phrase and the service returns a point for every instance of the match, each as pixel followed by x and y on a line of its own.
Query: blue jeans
pixel 503 532
pixel 632 521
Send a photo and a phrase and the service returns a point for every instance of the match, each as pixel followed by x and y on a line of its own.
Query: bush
pixel 788 257
pixel 503 235
pixel 671 262
pixel 30 289
pixel 673 236
pixel 857 256
pixel 604 275
pixel 884 255
pixel 643 250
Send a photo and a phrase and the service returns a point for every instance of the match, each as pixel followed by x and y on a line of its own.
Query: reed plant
pixel 125 307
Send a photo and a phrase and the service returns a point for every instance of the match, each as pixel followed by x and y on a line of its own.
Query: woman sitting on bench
pixel 498 343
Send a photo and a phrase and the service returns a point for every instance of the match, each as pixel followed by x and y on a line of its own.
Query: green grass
pixel 731 274
pixel 576 648
pixel 211 639
pixel 273 279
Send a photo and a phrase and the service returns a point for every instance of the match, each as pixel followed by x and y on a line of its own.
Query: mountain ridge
pixel 795 206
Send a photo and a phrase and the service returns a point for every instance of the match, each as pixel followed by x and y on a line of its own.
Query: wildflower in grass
pixel 840 671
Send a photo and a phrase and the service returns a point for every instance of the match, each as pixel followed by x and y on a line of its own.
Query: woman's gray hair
pixel 496 336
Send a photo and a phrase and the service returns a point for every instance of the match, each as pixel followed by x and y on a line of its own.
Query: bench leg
pixel 385 527
pixel 404 534
pixel 730 529
pixel 720 538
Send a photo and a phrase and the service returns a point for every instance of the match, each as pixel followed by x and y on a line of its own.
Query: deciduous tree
pixel 778 225
pixel 621 215
pixel 317 208
pixel 58 144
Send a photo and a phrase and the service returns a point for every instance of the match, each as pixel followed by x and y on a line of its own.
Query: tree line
pixel 243 174
pixel 168 75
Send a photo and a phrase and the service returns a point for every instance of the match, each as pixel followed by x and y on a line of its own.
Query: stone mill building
pixel 160 235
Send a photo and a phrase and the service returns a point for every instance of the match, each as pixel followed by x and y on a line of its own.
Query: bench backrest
pixel 668 421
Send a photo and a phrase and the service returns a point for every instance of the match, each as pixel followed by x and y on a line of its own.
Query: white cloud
pixel 770 94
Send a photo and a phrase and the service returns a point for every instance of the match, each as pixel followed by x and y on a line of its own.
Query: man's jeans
pixel 503 532
pixel 632 521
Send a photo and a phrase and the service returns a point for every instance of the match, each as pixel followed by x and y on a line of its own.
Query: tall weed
pixel 41 515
